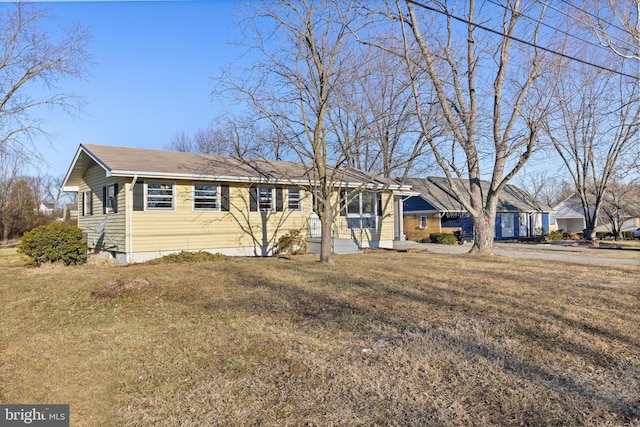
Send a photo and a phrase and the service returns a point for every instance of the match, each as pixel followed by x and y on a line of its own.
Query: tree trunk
pixel 484 233
pixel 589 233
pixel 5 233
pixel 326 225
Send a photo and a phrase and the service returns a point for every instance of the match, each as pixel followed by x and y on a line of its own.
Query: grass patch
pixel 377 339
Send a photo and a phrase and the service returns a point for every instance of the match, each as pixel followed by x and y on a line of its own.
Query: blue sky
pixel 154 61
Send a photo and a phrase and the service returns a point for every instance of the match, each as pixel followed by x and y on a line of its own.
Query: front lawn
pixel 382 338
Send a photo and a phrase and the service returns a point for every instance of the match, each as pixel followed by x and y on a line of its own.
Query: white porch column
pixel 398 215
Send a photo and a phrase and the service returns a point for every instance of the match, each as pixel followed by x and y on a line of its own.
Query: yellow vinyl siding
pixel 113 238
pixel 186 229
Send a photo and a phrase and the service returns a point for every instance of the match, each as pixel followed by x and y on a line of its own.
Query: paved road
pixel 577 254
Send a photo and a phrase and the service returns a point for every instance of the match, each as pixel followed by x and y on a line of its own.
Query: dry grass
pixel 377 339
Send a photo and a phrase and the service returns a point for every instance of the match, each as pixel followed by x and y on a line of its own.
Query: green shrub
pixel 54 243
pixel 555 236
pixel 185 257
pixel 292 243
pixel 600 235
pixel 628 235
pixel 443 238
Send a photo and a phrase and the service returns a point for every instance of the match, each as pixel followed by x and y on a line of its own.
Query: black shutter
pixel 379 200
pixel 83 197
pixel 279 207
pixel 115 198
pixel 253 199
pixel 138 196
pixel 104 200
pixel 343 202
pixel 90 202
pixel 224 198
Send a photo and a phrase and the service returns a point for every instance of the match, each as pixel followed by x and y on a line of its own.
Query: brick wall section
pixel 412 228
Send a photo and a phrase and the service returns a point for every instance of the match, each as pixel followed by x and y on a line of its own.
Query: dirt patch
pixel 118 288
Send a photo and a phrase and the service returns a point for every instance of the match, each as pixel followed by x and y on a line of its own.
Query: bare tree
pixel 29 56
pixel 379 123
pixel 52 190
pixel 542 186
pixel 232 136
pixel 621 203
pixel 615 23
pixel 491 91
pixel 294 90
pixel 9 173
pixel 594 131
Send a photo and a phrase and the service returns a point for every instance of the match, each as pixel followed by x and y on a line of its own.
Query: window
pixel 423 222
pixel 360 209
pixel 293 199
pixel 206 197
pixel 87 203
pixel 265 199
pixel 110 198
pixel 160 195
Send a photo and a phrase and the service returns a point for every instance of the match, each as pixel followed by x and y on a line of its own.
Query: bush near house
pixel 443 238
pixel 555 236
pixel 569 235
pixel 54 243
pixel 292 243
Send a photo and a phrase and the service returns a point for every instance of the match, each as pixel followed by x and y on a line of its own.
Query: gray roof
pixel 438 192
pixel 146 163
pixel 570 207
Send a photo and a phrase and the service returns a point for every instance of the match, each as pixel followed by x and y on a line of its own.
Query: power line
pixel 586 12
pixel 519 40
pixel 567 33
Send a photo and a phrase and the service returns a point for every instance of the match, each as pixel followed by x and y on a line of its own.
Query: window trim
pixel 146 196
pixel 422 227
pixel 218 197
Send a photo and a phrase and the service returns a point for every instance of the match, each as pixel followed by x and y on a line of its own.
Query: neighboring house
pixel 139 204
pixel 435 209
pixel 568 215
pixel 46 208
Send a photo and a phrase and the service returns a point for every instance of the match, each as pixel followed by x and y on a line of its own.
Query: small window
pixel 110 202
pixel 293 199
pixel 423 222
pixel 87 203
pixel 206 197
pixel 160 195
pixel 265 199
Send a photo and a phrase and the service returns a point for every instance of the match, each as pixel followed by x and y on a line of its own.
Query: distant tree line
pixel 26 201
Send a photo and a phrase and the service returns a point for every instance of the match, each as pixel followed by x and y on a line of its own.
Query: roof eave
pixel 81 149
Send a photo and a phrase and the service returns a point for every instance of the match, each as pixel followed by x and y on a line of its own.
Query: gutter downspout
pixel 130 213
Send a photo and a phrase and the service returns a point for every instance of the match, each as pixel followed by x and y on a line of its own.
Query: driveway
pixel 576 254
